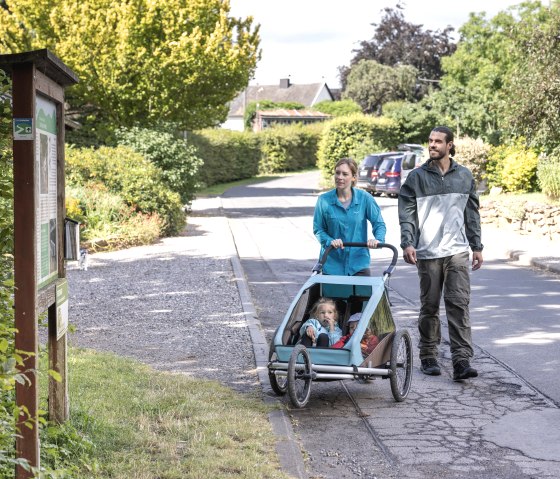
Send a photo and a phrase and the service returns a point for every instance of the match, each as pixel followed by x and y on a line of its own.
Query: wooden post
pixel 25 299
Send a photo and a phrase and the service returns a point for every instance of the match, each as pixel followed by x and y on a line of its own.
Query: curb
pixel 551 264
pixel 287 447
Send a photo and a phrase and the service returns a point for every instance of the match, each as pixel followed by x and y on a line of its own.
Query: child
pixel 352 323
pixel 368 341
pixel 321 329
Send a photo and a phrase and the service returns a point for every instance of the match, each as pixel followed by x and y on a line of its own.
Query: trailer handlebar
pixel 318 268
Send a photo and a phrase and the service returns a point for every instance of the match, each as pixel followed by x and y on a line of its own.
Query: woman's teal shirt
pixel 332 221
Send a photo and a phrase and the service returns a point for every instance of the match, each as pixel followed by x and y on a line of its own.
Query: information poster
pixel 45 166
pixel 61 309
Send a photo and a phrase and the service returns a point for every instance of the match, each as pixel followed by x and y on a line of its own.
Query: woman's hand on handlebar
pixel 372 243
pixel 337 243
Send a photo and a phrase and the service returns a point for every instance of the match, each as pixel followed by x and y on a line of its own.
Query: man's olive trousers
pixel 449 275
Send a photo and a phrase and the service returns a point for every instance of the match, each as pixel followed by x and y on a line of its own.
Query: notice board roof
pixel 45 61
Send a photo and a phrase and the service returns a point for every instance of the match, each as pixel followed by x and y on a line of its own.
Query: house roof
pixel 283 92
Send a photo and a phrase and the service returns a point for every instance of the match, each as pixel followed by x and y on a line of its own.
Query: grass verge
pixel 130 421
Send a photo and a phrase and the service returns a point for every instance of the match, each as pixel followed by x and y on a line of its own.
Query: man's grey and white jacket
pixel 438 213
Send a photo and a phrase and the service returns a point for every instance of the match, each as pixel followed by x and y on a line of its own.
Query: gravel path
pixel 173 305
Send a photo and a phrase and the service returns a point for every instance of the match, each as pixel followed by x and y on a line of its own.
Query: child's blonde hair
pixel 320 302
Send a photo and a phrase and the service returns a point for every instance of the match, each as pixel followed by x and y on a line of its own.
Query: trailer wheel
pixel 279 384
pixel 299 376
pixel 401 365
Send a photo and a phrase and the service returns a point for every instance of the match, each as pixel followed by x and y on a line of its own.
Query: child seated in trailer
pixel 368 342
pixel 321 329
pixel 352 323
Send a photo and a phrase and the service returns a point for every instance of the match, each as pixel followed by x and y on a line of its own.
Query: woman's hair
pixel 448 137
pixel 353 168
pixel 320 302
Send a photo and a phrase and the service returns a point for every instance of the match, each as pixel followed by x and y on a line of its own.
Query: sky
pixel 307 40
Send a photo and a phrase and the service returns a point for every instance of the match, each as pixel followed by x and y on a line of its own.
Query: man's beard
pixel 439 156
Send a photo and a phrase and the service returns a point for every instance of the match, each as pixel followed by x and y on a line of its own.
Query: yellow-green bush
pixel 131 176
pixel 344 135
pixel 513 167
pixel 548 173
pixel 288 148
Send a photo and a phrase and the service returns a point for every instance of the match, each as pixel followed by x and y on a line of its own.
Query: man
pixel 439 219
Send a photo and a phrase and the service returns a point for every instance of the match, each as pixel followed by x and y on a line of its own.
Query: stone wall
pixel 530 217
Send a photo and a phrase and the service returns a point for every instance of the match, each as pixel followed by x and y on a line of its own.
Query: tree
pixel 535 81
pixel 397 42
pixel 371 84
pixel 472 89
pixel 141 61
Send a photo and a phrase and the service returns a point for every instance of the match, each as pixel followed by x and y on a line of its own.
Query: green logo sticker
pixel 23 128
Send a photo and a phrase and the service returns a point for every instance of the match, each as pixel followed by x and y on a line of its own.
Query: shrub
pixel 414 120
pixel 127 173
pixel 176 159
pixel 513 167
pixel 227 155
pixel 473 153
pixel 288 148
pixel 107 222
pixel 7 350
pixel 337 108
pixel 548 174
pixel 344 135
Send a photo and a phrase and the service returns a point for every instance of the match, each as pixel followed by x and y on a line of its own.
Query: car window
pixel 409 161
pixel 369 161
pixel 386 165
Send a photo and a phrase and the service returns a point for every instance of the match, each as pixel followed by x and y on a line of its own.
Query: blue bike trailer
pixel 387 353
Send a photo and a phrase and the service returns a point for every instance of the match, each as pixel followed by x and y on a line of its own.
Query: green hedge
pixel 343 137
pixel 288 148
pixel 227 155
pixel 125 172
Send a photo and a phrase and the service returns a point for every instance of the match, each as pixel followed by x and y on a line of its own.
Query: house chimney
pixel 284 83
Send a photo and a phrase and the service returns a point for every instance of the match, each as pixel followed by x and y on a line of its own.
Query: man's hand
pixel 409 255
pixel 477 260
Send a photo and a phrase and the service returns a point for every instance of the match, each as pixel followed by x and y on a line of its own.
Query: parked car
pixel 411 147
pixel 367 170
pixel 394 169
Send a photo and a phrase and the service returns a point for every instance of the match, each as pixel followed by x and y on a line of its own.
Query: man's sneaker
pixel 463 370
pixel 430 367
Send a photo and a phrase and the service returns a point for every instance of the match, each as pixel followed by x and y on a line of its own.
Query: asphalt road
pixel 501 425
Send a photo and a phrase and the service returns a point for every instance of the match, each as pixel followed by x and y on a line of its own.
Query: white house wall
pixel 322 95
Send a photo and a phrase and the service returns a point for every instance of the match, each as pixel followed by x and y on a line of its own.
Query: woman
pixel 341 216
